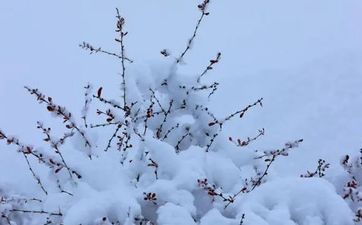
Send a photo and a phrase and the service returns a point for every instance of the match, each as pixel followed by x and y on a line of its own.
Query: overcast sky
pixel 304 57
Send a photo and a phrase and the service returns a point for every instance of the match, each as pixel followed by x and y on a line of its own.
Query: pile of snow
pixel 168 162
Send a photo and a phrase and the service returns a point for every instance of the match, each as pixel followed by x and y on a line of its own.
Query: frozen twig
pixel 202 7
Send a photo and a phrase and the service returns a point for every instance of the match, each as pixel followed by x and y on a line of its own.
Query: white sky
pixel 303 57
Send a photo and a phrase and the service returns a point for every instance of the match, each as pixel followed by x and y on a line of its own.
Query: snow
pixel 160 180
pixel 170 214
pixel 215 217
pixel 296 201
pixel 306 67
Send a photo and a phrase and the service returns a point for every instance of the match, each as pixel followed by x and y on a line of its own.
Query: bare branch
pixel 241 143
pixel 209 67
pixel 202 7
pixel 241 113
pixel 122 34
pixel 60 112
pixel 91 49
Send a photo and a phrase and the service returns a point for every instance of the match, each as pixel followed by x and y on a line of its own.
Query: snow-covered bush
pixel 350 187
pixel 160 156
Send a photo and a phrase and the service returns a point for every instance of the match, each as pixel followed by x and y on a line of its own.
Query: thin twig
pixel 180 141
pixel 209 67
pixel 87 101
pixel 213 138
pixel 241 143
pixel 60 112
pixel 241 113
pixel 36 212
pixel 119 30
pixel 34 175
pixel 92 49
pixel 202 7
pixel 105 101
pixel 55 144
pixel 113 136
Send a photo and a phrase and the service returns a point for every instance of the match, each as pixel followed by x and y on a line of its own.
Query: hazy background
pixel 304 57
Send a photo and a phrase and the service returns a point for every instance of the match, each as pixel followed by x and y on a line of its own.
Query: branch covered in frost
pixel 41 157
pixel 92 49
pixel 60 112
pixel 352 189
pixel 241 113
pixel 25 151
pixel 271 156
pixel 243 143
pixel 210 66
pixel 87 100
pixel 203 8
pixel 320 171
pixel 55 144
pixel 120 39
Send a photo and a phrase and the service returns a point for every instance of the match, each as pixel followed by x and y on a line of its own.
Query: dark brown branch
pixel 271 156
pixel 203 108
pixel 36 212
pixel 110 116
pixel 87 46
pixel 155 165
pixel 167 113
pixel 213 138
pixel 149 114
pixel 34 175
pixel 319 171
pixel 25 150
pixel 113 136
pixel 60 112
pixel 209 67
pixel 213 191
pixel 242 219
pixel 170 130
pixel 87 101
pixel 62 190
pixel 158 101
pixel 180 141
pixel 113 104
pixel 122 34
pixel 205 87
pixel 246 142
pixel 202 8
pixel 4 216
pixel 41 157
pixel 103 124
pixel 213 88
pixel 241 113
pixel 55 144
